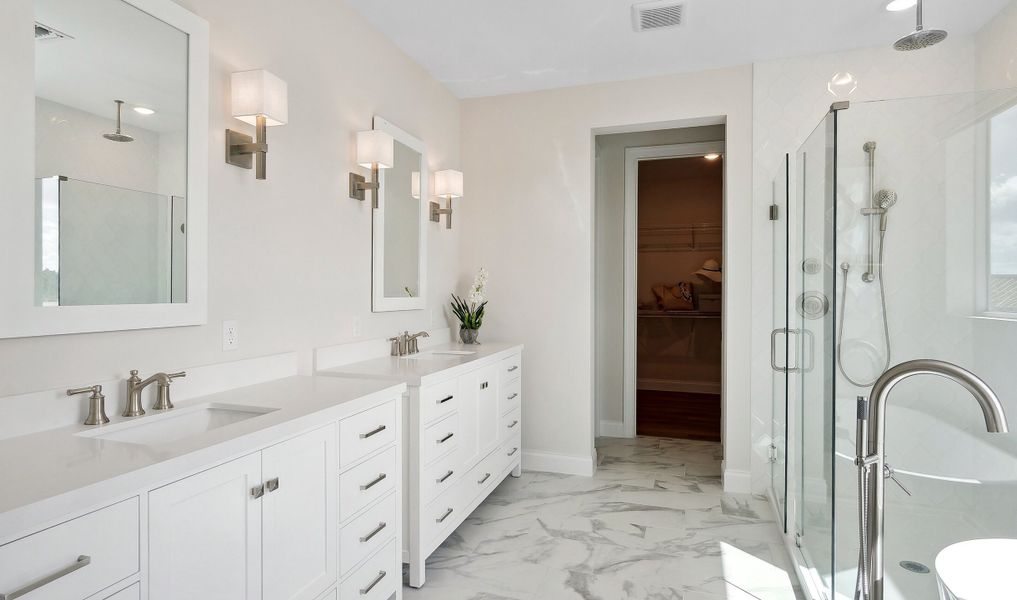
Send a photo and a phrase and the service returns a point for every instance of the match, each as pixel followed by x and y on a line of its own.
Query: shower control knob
pixel 813 305
pixel 888 473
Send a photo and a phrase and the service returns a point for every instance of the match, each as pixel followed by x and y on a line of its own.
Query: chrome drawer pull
pixel 381 477
pixel 514 396
pixel 513 424
pixel 272 484
pixel 256 492
pixel 82 562
pixel 367 590
pixel 514 450
pixel 444 516
pixel 447 437
pixel 445 476
pixel 375 532
pixel 445 399
pixel 513 368
pixel 379 429
pixel 486 477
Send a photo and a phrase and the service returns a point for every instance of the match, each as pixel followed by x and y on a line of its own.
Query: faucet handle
pixel 172 376
pixel 889 473
pixel 96 404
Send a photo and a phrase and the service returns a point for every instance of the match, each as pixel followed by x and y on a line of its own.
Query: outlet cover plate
pixel 230 335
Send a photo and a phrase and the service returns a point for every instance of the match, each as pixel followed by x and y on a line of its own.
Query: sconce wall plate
pixel 358 187
pixel 234 141
pixel 437 211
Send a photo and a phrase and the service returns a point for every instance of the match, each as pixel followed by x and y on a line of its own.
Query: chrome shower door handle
pixel 773 351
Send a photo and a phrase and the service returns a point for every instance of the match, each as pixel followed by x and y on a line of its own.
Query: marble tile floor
pixel 652 524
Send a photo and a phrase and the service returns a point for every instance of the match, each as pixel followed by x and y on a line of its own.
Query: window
pixel 1002 292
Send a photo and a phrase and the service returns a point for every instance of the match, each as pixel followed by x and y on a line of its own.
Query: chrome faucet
pixel 871 460
pixel 135 385
pixel 404 343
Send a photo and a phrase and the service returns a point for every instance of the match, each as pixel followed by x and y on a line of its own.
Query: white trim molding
pixel 566 464
pixel 736 482
pixel 614 429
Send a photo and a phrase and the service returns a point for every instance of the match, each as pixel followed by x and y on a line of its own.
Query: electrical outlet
pixel 357 327
pixel 230 335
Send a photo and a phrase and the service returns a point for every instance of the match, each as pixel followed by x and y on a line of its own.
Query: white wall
pixel 528 216
pixel 290 257
pixel 610 259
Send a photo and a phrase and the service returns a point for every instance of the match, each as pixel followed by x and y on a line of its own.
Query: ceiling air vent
pixel 659 14
pixel 45 32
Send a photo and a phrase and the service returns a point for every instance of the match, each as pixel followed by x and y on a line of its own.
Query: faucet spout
pixel 871 459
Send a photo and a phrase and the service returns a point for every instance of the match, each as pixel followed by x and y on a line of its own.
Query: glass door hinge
pixel 774 212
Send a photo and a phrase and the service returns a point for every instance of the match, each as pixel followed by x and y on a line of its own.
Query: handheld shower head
pixel 884 200
pixel 920 37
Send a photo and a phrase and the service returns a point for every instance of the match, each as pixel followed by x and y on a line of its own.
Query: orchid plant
pixel 470 311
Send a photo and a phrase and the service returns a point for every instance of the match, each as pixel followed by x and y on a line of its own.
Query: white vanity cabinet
pixel 261 526
pixel 464 439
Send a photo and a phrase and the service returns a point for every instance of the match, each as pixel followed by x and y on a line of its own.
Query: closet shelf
pixel 692 237
pixel 677 314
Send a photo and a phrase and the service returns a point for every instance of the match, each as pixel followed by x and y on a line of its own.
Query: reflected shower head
pixel 118 135
pixel 920 37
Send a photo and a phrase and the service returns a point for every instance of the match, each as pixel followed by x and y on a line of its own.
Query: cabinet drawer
pixel 131 593
pixel 366 432
pixel 332 594
pixel 440 476
pixel 361 537
pixel 438 516
pixel 510 452
pixel 482 478
pixel 510 368
pixel 509 396
pixel 438 400
pixel 439 438
pixel 366 483
pixel 511 424
pixel 78 557
pixel 377 579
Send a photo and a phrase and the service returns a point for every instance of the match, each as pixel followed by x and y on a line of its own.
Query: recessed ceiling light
pixel 899 5
pixel 712 156
pixel 141 110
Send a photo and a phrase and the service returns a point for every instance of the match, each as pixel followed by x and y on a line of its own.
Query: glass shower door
pixel 779 342
pixel 813 312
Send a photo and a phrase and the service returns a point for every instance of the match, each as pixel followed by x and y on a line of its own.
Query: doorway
pixel 679 206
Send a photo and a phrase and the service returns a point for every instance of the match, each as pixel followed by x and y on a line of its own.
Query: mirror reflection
pixel 111 155
pixel 402 214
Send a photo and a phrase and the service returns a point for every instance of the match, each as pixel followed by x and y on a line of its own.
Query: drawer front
pixel 510 452
pixel 366 483
pixel 361 537
pixel 439 439
pixel 366 432
pixel 76 558
pixel 332 594
pixel 131 593
pixel 482 478
pixel 510 369
pixel 511 424
pixel 510 396
pixel 377 579
pixel 439 515
pixel 438 400
pixel 440 476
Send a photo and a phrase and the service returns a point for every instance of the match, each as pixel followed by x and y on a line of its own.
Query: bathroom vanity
pixel 289 489
pixel 462 425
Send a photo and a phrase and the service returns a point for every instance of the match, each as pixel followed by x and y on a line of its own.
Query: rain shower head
pixel 920 37
pixel 118 135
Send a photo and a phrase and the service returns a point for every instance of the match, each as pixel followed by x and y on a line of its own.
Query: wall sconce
pixel 259 98
pixel 375 150
pixel 447 184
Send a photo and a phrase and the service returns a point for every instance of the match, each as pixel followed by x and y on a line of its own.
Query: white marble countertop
pixel 427 368
pixel 53 474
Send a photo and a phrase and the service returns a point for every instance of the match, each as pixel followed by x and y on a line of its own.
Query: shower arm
pixel 871 440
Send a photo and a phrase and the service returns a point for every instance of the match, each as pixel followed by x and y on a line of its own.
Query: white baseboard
pixel 615 429
pixel 737 482
pixel 552 462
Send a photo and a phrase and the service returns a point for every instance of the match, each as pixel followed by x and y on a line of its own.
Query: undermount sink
pixel 179 423
pixel 436 354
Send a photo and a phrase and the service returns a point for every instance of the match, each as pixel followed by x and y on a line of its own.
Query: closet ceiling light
pixel 899 5
pixel 141 110
pixel 712 156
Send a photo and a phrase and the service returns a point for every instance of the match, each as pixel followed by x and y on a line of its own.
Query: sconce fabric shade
pixel 415 184
pixel 448 183
pixel 375 149
pixel 259 93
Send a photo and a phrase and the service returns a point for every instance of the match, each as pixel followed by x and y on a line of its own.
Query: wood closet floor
pixel 678 415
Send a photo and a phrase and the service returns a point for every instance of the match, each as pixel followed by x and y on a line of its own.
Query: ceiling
pixel 491 47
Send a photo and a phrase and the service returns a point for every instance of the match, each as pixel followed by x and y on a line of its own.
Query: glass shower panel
pixel 816 180
pixel 934 180
pixel 779 342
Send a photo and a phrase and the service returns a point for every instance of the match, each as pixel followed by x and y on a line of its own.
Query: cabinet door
pixel 487 409
pixel 205 535
pixel 299 516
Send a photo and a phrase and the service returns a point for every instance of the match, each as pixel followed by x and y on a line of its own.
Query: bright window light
pixel 899 5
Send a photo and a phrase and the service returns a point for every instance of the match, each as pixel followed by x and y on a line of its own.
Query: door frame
pixel 633 156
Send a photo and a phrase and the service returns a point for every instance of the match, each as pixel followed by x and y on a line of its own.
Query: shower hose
pixel 862 586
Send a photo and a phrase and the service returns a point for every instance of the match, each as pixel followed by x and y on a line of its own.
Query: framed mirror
pixel 103 216
pixel 399 257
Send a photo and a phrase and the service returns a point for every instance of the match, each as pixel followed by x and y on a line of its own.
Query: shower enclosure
pixel 909 204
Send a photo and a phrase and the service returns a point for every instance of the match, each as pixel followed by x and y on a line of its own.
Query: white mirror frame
pixel 381 303
pixel 19 316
